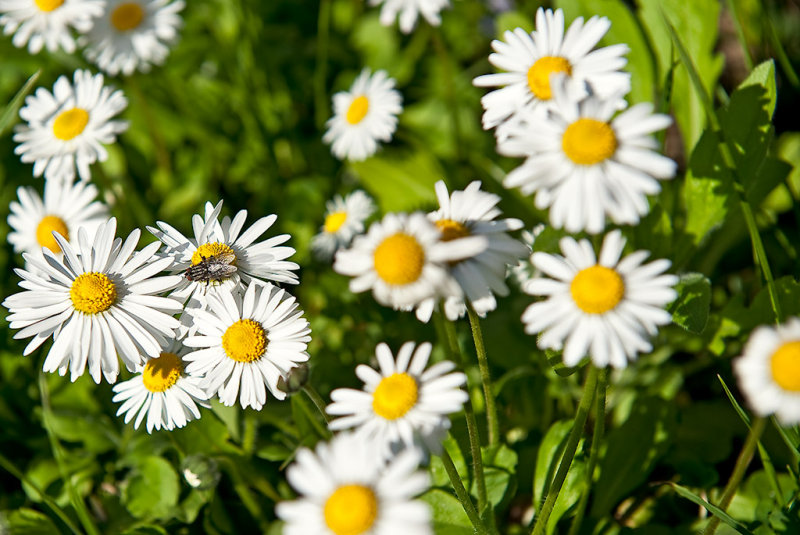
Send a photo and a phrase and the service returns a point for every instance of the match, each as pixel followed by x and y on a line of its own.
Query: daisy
pixel 531 59
pixel 403 403
pixel 586 165
pixel 66 128
pixel 473 212
pixel 403 259
pixel 163 392
pixel 409 10
pixel 101 300
pixel 344 218
pixel 606 308
pixel 246 344
pixel 346 488
pixel 47 22
pixel 769 371
pixel 133 35
pixel 363 116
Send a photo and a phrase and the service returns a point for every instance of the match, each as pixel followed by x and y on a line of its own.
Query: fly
pixel 214 268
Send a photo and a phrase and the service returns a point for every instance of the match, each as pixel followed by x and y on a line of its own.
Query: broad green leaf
pixel 499 463
pixel 788 150
pixel 26 522
pixel 548 456
pixel 145 530
pixel 439 477
pixel 400 182
pixel 716 511
pixel 690 309
pixel 10 111
pixel 229 416
pixel 449 517
pixel 152 489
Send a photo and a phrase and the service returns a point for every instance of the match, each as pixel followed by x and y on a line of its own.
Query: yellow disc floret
pixel 539 75
pixel 44 232
pixel 92 293
pixel 597 289
pixel 785 364
pixel 358 109
pixel 48 5
pixel 161 373
pixel 245 341
pixel 69 124
pixel 351 510
pixel 207 250
pixel 399 259
pixel 395 396
pixel 452 230
pixel 334 221
pixel 589 142
pixel 127 16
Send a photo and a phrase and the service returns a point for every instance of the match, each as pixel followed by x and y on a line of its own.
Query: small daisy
pixel 403 259
pixel 100 301
pixel 531 59
pixel 403 403
pixel 769 371
pixel 47 22
pixel 363 116
pixel 584 165
pixel 346 489
pixel 409 10
pixel 163 392
pixel 246 344
pixel 133 35
pixel 605 308
pixel 66 128
pixel 344 219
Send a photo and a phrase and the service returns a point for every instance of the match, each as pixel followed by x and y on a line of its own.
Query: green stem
pixel 748 60
pixel 249 433
pixel 315 398
pixel 742 462
pixel 589 387
pixel 323 430
pixel 761 257
pixel 76 500
pixel 486 379
pixel 780 52
pixel 461 493
pixel 321 69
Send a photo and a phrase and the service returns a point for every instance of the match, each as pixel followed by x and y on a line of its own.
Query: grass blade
pixel 7 118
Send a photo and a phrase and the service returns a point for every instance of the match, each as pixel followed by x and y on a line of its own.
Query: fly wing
pixel 225 257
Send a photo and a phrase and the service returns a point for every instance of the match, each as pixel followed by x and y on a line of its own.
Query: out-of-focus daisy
pixel 404 403
pixel 586 165
pixel 47 22
pixel 605 307
pixel 409 10
pixel 133 35
pixel 531 59
pixel 163 392
pixel 404 260
pixel 67 128
pixel 100 301
pixel 246 344
pixel 346 489
pixel 362 116
pixel 769 371
pixel 344 218
pixel 473 212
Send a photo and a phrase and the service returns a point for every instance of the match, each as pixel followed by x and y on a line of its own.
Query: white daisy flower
pixel 473 212
pixel 47 22
pixel 531 59
pixel 67 128
pixel 409 10
pixel 402 404
pixel 607 308
pixel 247 344
pixel 133 35
pixel 162 392
pixel 584 165
pixel 363 116
pixel 769 371
pixel 100 301
pixel 346 488
pixel 344 218
pixel 403 259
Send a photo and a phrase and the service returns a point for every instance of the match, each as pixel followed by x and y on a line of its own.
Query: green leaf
pixel 229 416
pixel 716 511
pixel 10 111
pixel 439 477
pixel 152 489
pixel 145 530
pixel 499 463
pixel 690 310
pixel 26 522
pixel 449 517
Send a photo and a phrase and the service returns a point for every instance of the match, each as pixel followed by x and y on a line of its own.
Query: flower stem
pixel 461 493
pixel 486 379
pixel 589 387
pixel 315 398
pixel 742 462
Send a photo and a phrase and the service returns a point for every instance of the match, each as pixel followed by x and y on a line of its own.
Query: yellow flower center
pixel 785 364
pixel 127 16
pixel 48 5
pixel 395 396
pixel 93 292
pixel 351 510
pixel 210 249
pixel 69 124
pixel 539 75
pixel 161 373
pixel 44 232
pixel 597 289
pixel 588 142
pixel 245 341
pixel 334 221
pixel 452 230
pixel 358 109
pixel 399 259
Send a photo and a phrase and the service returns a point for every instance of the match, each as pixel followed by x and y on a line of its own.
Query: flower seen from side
pixel 344 219
pixel 47 23
pixel 408 11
